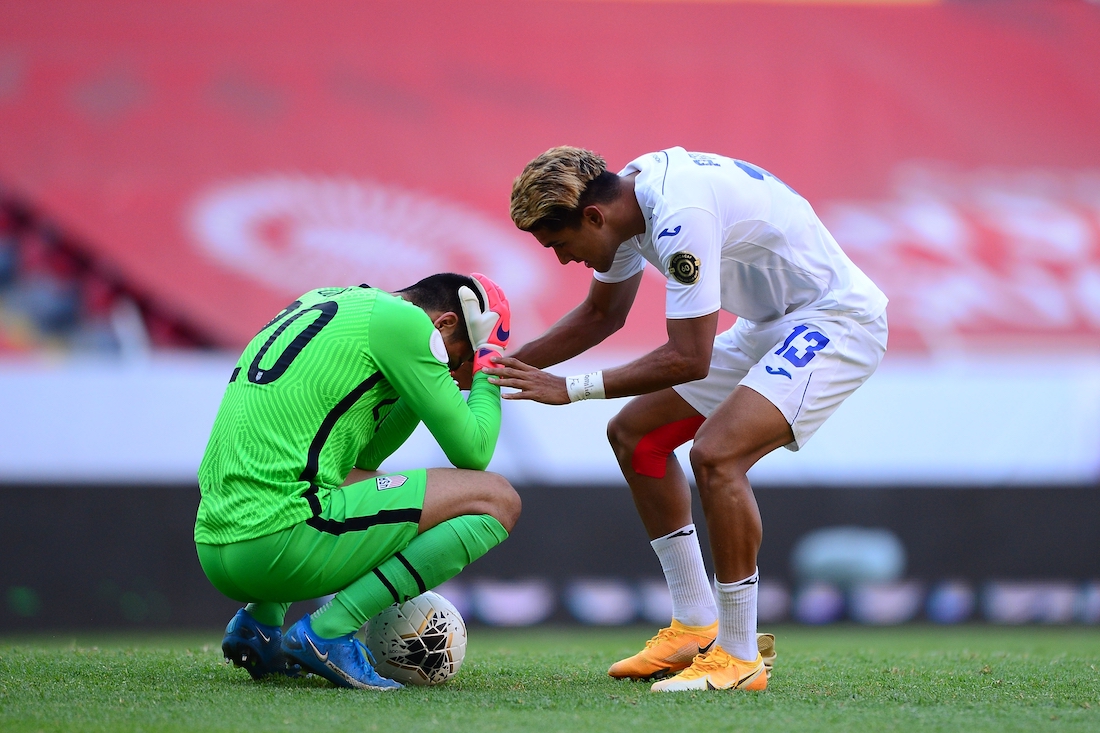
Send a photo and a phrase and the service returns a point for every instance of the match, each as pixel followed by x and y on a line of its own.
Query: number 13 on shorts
pixel 801 346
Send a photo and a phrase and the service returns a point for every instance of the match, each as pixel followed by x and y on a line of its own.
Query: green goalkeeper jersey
pixel 339 379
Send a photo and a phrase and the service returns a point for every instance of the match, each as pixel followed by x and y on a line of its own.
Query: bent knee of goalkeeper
pixel 452 493
pixel 503 502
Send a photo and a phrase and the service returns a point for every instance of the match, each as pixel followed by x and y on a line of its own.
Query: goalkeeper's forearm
pixel 391 434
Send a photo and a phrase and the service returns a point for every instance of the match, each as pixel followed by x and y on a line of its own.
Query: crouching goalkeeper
pixel 292 506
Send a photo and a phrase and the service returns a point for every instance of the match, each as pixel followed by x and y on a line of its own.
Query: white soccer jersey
pixel 730 235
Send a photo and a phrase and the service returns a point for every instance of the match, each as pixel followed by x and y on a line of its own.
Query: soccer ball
pixel 419 642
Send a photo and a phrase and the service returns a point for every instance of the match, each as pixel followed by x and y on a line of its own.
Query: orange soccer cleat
pixel 670 651
pixel 717 670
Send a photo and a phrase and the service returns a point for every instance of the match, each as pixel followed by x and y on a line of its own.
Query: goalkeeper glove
pixel 490 328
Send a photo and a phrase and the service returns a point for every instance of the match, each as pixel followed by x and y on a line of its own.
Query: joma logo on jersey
pixel 390 482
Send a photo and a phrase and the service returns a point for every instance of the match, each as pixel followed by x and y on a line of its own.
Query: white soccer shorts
pixel 805 364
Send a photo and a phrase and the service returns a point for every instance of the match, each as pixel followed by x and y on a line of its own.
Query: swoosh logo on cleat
pixel 705 649
pixel 750 676
pixel 265 637
pixel 747 678
pixel 320 656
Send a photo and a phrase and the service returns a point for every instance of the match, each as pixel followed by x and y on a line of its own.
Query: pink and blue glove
pixel 490 328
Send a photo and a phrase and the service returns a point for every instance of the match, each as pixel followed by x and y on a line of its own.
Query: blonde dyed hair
pixel 551 186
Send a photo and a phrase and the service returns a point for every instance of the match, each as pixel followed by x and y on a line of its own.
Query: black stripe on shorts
pixel 358 524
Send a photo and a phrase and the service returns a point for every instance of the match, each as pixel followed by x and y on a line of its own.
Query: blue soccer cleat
pixel 256 647
pixel 343 661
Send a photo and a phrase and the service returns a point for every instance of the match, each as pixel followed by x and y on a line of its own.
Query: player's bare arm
pixel 600 314
pixel 685 357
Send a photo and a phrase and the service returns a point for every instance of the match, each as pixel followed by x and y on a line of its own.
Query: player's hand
pixel 479 323
pixel 533 384
pixel 489 329
pixel 498 303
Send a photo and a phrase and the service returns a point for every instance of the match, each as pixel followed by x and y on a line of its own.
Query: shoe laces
pixel 365 652
pixel 662 635
pixel 713 660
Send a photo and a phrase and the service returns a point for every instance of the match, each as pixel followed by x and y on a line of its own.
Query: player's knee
pixel 504 501
pixel 621 436
pixel 709 461
pixel 651 452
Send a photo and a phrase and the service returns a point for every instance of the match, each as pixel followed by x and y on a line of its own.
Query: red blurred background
pixel 219 159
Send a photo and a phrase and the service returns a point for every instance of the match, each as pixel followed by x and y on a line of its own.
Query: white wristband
pixel 585 387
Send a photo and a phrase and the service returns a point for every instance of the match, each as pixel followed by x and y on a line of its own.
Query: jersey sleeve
pixel 391 434
pixel 400 343
pixel 628 262
pixel 689 244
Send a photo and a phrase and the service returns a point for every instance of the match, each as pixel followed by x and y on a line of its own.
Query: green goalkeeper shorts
pixel 359 527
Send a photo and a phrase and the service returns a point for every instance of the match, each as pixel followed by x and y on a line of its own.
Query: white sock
pixel 682 561
pixel 737 616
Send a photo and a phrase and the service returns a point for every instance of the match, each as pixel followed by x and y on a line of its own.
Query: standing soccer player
pixel 292 507
pixel 811 328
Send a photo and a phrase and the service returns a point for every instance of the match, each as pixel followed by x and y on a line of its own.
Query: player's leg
pixel 464 515
pixel 271 613
pixel 742 430
pixel 358 529
pixel 454 492
pixel 782 401
pixel 256 646
pixel 253 636
pixel 643 436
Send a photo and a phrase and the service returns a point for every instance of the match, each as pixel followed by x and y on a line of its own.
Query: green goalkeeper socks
pixel 431 558
pixel 268 613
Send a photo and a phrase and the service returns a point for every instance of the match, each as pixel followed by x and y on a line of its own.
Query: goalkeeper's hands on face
pixel 490 328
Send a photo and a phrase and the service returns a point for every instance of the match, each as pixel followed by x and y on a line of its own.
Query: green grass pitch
pixel 826 679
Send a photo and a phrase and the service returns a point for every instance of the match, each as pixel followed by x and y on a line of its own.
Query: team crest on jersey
pixel 390 482
pixel 684 266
